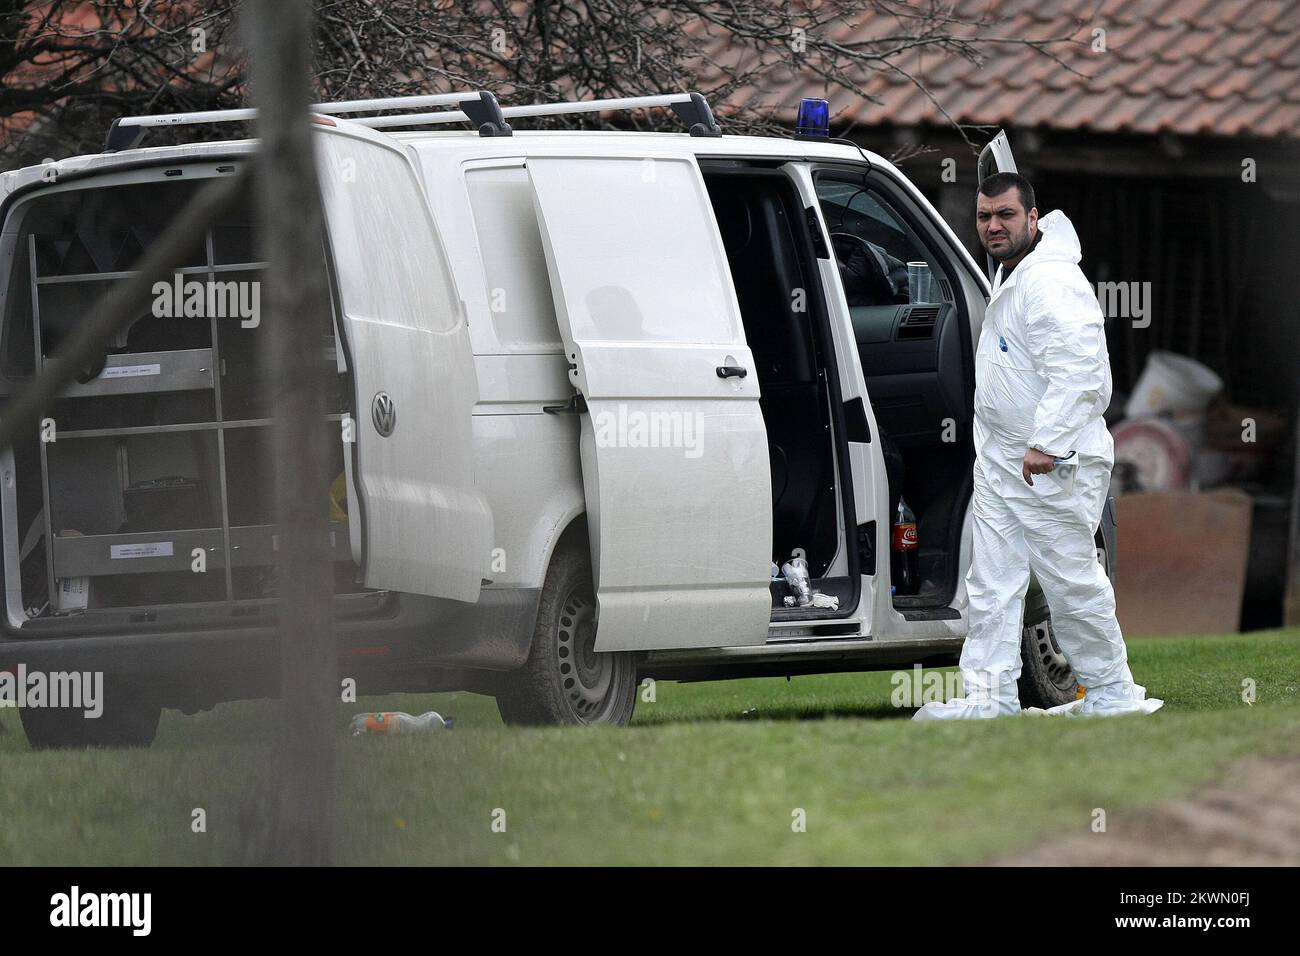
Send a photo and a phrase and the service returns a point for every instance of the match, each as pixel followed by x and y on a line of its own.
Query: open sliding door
pixel 674 450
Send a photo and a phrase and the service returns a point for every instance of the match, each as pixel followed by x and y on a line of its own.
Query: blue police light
pixel 814 120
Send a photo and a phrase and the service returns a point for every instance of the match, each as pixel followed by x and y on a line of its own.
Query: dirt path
pixel 1249 818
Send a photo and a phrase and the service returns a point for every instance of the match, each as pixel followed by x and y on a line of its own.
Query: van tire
pixel 131 722
pixel 1046 678
pixel 564 682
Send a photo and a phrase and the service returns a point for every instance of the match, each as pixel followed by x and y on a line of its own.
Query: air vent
pixel 945 290
pixel 919 322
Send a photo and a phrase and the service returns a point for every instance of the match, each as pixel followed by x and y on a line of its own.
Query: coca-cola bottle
pixel 902 551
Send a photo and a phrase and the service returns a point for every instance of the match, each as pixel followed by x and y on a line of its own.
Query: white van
pixel 590 387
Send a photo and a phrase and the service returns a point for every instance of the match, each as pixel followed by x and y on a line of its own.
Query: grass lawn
pixel 709 773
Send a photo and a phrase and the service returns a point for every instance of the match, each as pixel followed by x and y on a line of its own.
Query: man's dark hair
pixel 999 183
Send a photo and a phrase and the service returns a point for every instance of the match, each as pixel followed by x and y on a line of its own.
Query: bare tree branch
pixel 71 67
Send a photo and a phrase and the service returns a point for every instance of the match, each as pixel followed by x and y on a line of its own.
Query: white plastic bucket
pixel 1172 383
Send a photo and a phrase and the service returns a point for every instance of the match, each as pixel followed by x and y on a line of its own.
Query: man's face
pixel 1005 228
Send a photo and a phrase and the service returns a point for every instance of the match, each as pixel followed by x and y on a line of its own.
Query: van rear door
pixel 674 449
pixel 426 529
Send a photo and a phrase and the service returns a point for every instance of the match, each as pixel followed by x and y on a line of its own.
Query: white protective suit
pixel 1042 377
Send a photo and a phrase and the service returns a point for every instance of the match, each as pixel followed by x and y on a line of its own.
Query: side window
pixel 391 266
pixel 873 246
pixel 635 249
pixel 514 262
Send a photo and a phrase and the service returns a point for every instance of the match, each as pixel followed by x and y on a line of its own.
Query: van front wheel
pixel 1046 678
pixel 565 681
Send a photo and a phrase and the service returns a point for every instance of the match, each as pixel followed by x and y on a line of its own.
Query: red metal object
pixel 1159 456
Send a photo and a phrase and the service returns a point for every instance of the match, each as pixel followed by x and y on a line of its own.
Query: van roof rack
pixel 478 107
pixel 691 108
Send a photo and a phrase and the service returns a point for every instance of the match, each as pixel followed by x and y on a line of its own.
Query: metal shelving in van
pixel 155 405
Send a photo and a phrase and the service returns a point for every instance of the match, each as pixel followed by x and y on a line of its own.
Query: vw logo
pixel 383 413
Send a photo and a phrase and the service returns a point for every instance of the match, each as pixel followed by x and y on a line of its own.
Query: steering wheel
pixel 864 269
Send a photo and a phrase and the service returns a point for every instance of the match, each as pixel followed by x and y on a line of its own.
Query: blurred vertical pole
pixel 280 48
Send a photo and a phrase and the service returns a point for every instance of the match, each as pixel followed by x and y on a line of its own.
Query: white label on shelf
pixel 130 371
pixel 153 549
pixel 72 594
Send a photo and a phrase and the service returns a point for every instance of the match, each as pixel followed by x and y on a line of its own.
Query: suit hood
pixel 1060 243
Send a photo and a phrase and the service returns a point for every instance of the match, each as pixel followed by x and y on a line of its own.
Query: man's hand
pixel 1036 463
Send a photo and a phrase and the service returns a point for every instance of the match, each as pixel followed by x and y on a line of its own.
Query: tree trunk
pixel 279 40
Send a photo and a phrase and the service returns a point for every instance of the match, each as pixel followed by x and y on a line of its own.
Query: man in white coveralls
pixel 1043 459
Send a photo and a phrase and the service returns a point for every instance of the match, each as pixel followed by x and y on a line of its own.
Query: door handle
pixel 575 405
pixel 732 371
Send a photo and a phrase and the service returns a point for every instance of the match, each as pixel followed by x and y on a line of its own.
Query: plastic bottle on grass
pixel 398 722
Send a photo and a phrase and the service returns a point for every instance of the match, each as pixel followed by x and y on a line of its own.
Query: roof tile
pixel 1218 67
